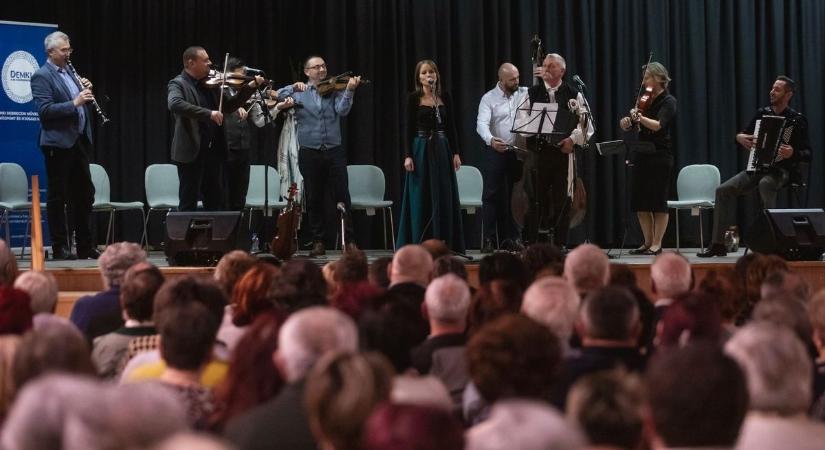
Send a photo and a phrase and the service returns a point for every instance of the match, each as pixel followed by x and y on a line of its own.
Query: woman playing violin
pixel 430 206
pixel 651 172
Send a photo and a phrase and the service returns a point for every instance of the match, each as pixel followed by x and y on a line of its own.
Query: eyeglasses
pixel 317 67
pixel 67 50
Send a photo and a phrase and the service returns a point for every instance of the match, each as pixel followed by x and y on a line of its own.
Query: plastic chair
pixel 255 190
pixel 367 186
pixel 162 185
pixel 103 202
pixel 470 189
pixel 696 189
pixel 14 197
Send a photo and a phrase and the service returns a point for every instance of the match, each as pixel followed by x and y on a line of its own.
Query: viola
pixel 216 79
pixel 285 243
pixel 336 83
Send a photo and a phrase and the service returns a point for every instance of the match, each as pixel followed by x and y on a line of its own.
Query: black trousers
pixel 545 183
pixel 70 192
pixel 501 172
pixel 236 172
pixel 202 178
pixel 325 175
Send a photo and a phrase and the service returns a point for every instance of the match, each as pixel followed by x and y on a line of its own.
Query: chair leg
pixel 384 217
pixel 678 243
pixel 26 236
pixel 701 232
pixel 146 226
pixel 8 229
pixel 392 229
pixel 144 240
pixel 110 227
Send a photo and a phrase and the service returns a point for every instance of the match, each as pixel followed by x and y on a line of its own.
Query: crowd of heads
pixel 540 350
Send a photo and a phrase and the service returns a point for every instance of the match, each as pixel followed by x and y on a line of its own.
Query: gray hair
pixel 427 390
pixel 552 302
pixel 525 425
pixel 8 264
pixel 309 334
pixel 776 365
pixel 42 290
pixel 53 39
pixel 671 274
pixel 68 412
pixel 559 59
pixel 659 72
pixel 587 268
pixel 447 298
pixel 117 259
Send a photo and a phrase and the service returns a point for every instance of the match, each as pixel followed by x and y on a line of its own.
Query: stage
pixel 78 278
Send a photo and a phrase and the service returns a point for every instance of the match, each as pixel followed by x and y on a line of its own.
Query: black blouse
pixel 663 109
pixel 421 117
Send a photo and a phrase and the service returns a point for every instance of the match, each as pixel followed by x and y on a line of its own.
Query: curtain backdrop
pixel 722 55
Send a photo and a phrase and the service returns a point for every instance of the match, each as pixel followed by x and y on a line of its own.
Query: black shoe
pixel 488 246
pixel 643 250
pixel 317 250
pixel 652 252
pixel 61 252
pixel 90 253
pixel 512 245
pixel 713 250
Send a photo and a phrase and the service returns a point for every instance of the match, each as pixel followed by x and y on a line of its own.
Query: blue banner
pixel 21 54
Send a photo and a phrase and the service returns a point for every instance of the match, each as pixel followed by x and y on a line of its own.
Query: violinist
pixel 651 172
pixel 322 159
pixel 199 142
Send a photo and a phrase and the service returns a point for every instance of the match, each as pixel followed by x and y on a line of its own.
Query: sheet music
pixel 529 118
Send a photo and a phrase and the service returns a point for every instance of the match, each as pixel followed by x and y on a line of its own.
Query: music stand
pixel 609 148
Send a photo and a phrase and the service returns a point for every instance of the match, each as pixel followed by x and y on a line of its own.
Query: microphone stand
pixel 589 114
pixel 342 209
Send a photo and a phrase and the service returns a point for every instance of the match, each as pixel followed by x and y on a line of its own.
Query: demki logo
pixel 16 75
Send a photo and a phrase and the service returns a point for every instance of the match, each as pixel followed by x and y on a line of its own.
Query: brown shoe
pixel 317 250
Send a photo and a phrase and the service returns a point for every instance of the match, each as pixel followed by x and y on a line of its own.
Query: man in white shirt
pixel 501 168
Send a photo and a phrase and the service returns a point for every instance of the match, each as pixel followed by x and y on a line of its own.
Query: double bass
pixel 285 243
pixel 578 201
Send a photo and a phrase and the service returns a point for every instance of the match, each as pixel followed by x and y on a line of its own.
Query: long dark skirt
pixel 429 206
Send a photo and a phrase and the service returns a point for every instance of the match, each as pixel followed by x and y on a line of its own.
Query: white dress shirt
pixel 496 113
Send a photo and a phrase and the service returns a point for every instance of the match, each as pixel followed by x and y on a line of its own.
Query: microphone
pixel 253 71
pixel 579 81
pixel 341 207
pixel 431 81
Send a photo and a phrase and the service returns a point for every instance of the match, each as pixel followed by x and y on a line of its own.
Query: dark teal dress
pixel 429 206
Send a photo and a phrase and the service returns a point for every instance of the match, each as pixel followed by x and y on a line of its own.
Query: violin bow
pixel 223 82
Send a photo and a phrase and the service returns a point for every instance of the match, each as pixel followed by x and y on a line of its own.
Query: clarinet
pixel 100 114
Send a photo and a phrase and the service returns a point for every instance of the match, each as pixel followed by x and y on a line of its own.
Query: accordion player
pixel 770 132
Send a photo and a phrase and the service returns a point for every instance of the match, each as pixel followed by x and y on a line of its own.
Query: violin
pixel 216 78
pixel 336 83
pixel 285 243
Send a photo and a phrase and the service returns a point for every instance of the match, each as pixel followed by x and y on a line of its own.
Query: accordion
pixel 770 133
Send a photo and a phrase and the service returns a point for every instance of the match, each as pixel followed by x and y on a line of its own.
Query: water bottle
pixel 256 243
pixel 731 240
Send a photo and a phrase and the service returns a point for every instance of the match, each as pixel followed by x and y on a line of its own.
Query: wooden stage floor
pixel 77 278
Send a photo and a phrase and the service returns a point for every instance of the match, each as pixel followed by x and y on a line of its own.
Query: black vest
pixel 566 121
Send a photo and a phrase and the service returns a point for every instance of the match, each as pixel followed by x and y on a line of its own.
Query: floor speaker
pixel 794 234
pixel 202 238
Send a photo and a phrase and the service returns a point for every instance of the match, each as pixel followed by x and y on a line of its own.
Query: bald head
pixel 508 77
pixel 587 268
pixel 411 263
pixel 670 275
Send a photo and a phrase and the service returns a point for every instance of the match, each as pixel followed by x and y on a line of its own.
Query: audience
pixel 447 300
pixel 587 269
pixel 8 265
pixel 394 426
pixel 306 337
pixel 41 288
pixel 552 302
pixel 696 398
pixel 379 274
pixel 785 282
pixel 513 362
pixel 492 300
pixel 543 259
pixel 692 317
pixel 503 266
pixel 298 285
pixel 248 299
pixel 8 346
pixel 410 273
pixel 137 296
pixel 622 275
pixel 607 406
pixel 57 348
pixel 670 276
pixel 449 264
pixel 436 248
pixel 778 371
pixel 98 314
pixel 816 311
pixel 721 285
pixel 420 390
pixel 231 267
pixel 15 311
pixel 341 392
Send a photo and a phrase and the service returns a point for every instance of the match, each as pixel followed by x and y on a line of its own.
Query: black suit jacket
pixel 184 104
pixel 279 424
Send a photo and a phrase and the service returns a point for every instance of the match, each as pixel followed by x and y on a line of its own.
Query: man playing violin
pixel 768 181
pixel 199 141
pixel 321 157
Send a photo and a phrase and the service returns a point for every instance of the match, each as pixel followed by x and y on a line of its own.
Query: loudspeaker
pixel 794 234
pixel 202 238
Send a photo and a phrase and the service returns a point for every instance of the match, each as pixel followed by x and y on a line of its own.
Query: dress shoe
pixel 639 251
pixel 317 250
pixel 651 252
pixel 713 250
pixel 90 253
pixel 488 246
pixel 62 252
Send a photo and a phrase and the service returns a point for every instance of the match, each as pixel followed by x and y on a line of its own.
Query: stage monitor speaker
pixel 202 238
pixel 794 234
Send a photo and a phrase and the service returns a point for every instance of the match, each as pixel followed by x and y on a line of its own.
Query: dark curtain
pixel 722 55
